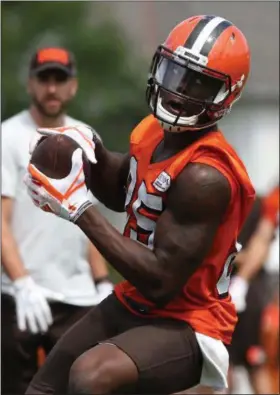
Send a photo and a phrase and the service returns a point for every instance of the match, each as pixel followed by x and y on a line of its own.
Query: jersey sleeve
pixel 144 129
pixel 10 169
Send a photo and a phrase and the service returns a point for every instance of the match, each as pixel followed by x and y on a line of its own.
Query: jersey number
pixel 224 280
pixel 153 203
pixel 146 226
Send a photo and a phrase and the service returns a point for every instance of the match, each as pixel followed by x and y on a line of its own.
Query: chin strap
pixel 180 129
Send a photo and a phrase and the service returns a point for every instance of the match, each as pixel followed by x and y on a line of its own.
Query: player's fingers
pixel 27 179
pixel 31 183
pixel 36 182
pixel 21 323
pixel 49 132
pixel 77 161
pixel 36 198
pixel 34 142
pixel 46 208
pixel 34 195
pixel 36 202
pixel 41 317
pixel 31 321
pixel 82 136
pixel 46 311
pixel 85 142
pixel 90 155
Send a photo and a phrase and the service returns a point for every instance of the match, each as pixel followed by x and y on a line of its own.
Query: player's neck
pixel 43 121
pixel 183 139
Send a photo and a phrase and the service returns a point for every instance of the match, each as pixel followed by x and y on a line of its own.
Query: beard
pixel 42 107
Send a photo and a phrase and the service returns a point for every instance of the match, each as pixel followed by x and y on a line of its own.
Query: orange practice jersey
pixel 271 206
pixel 204 301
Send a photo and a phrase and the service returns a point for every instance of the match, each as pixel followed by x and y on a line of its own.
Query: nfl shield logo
pixel 163 181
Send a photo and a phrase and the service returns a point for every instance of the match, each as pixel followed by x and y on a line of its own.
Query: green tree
pixel 112 78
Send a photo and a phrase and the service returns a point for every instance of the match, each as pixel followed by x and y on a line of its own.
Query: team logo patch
pixel 162 182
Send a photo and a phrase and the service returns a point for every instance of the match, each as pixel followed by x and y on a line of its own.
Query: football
pixel 52 156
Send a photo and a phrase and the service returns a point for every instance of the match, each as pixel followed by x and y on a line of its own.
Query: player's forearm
pixel 202 389
pixel 133 261
pixel 108 178
pixel 11 259
pixel 97 263
pixel 257 250
pixel 253 259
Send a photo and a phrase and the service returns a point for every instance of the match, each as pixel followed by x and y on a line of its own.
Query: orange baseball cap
pixel 53 58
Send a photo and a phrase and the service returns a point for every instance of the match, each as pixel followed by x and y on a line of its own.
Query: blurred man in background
pixel 52 274
pixel 256 296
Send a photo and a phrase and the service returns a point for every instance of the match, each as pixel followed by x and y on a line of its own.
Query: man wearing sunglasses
pixel 47 282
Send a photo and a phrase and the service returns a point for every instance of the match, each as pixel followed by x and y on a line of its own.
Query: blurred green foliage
pixel 112 78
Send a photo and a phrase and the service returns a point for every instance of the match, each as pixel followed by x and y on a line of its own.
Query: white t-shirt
pixel 54 251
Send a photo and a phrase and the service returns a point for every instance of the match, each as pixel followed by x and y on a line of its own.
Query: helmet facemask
pixel 184 94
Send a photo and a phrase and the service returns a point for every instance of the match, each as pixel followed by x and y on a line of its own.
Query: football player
pixel 187 194
pixel 257 300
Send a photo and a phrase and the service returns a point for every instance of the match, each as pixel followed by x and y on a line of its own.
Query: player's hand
pixel 32 309
pixel 104 289
pixel 66 197
pixel 84 136
pixel 238 290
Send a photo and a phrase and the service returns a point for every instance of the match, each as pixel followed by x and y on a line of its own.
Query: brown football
pixel 52 156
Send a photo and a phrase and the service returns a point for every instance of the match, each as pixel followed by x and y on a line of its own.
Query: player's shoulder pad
pixel 144 129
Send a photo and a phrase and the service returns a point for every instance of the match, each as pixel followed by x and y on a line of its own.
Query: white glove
pixel 66 197
pixel 32 309
pixel 104 289
pixel 82 134
pixel 238 290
